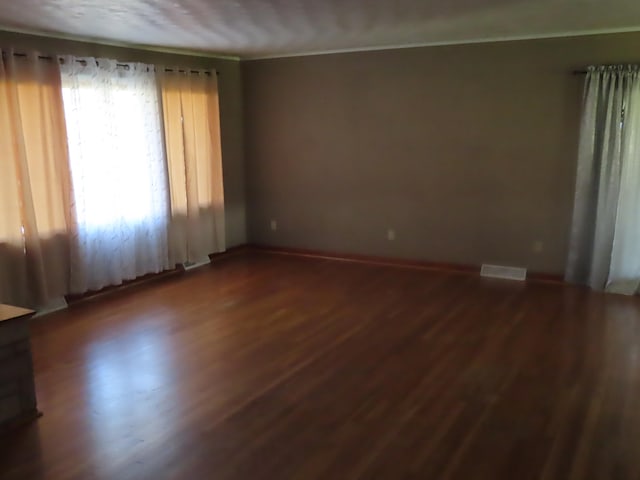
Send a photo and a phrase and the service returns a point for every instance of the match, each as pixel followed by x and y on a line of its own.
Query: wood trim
pixel 179 270
pixel 229 252
pixel 136 282
pixel 320 254
pixel 11 312
pixel 546 277
pixel 369 259
pixel 397 262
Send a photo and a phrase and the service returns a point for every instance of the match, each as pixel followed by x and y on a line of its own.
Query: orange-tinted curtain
pixel 192 136
pixel 35 186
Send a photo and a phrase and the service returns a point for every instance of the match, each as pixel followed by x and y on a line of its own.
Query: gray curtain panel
pixel 605 219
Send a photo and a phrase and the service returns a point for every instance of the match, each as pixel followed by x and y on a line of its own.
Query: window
pixel 96 188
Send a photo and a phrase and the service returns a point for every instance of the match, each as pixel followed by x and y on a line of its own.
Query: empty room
pixel 283 239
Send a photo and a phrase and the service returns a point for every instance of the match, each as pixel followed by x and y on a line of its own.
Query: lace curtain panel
pixel 116 155
pixel 35 187
pixel 605 239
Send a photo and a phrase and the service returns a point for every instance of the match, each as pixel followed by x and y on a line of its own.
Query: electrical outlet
pixel 274 225
pixel 538 246
pixel 391 234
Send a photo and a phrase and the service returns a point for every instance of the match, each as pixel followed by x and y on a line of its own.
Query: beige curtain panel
pixel 35 186
pixel 194 158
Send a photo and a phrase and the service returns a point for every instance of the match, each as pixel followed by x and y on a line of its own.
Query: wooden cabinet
pixel 17 388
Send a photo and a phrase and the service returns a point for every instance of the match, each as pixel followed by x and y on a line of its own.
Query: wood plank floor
pixel 276 367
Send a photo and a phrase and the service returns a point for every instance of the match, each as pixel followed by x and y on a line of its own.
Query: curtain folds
pixel 35 186
pixel 192 137
pixel 118 170
pixel 107 173
pixel 605 238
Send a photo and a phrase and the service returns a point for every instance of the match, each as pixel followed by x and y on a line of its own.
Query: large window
pixel 115 147
pixel 110 171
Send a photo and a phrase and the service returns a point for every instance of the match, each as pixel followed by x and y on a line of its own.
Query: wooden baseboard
pixel 127 284
pixel 396 262
pixel 546 277
pixel 369 259
pixel 230 252
pixel 145 279
pixel 302 252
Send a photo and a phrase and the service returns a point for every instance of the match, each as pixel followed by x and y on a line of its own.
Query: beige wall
pixel 467 152
pixel 231 110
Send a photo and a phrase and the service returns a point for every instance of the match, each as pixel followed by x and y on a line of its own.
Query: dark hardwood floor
pixel 276 367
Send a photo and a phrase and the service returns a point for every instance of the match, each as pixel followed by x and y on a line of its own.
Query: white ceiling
pixel 261 28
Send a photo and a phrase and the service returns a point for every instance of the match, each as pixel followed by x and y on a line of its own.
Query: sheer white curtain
pixel 118 171
pixel 605 239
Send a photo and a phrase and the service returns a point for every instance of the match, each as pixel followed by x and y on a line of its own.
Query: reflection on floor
pixel 268 366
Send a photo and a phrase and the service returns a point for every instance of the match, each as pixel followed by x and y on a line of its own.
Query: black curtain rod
pixel 122 65
pixel 584 71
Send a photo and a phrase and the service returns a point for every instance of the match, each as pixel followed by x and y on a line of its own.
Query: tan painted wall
pixel 468 152
pixel 231 109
